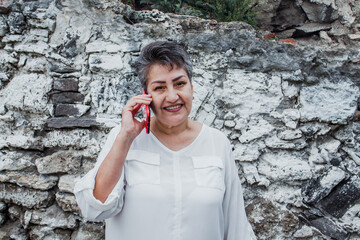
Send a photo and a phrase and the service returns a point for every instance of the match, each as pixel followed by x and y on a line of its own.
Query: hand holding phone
pixel 146 114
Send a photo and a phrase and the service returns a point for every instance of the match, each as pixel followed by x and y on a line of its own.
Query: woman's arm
pixel 111 168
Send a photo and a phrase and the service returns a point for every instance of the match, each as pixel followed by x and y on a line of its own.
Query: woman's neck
pixel 158 127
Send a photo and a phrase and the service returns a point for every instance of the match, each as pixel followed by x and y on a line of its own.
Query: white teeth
pixel 174 107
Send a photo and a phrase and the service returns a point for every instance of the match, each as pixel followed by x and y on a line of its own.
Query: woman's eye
pixel 180 83
pixel 158 88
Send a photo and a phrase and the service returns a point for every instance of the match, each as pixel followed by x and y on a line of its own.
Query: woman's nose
pixel 172 95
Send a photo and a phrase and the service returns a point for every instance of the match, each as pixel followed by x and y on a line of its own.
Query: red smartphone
pixel 146 114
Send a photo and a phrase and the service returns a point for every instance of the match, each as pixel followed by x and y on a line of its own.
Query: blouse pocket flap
pixel 143 156
pixel 207 161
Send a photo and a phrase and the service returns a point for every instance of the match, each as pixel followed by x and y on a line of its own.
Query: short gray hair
pixel 165 53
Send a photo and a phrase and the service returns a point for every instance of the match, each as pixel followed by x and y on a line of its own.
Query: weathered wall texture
pixel 67 68
pixel 333 21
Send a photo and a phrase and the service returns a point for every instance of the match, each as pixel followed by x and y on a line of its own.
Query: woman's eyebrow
pixel 174 80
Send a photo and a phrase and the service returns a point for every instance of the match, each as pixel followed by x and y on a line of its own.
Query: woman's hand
pixel 130 126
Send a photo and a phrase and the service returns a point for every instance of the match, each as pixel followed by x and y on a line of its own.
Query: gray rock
pixel 107 62
pixel 49 233
pixel 288 14
pixel 67 122
pixel 67 97
pixel 10 160
pixel 342 198
pixel 12 38
pixel 35 48
pixel 317 12
pixel 308 28
pixel 76 110
pixel 268 221
pixel 329 228
pixel 290 134
pixel 67 202
pixel 67 84
pixel 12 230
pixel 319 188
pixel 77 139
pixel 67 183
pixel 15 213
pixel 284 166
pixel 17 94
pixel 4 29
pixel 16 22
pixel 87 230
pixel 329 102
pixel 274 142
pixel 29 180
pixel 26 197
pixel 53 217
pixel 59 162
pixel 2 206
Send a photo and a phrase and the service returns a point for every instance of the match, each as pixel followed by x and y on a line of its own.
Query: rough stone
pixel 12 230
pixel 342 198
pixel 76 110
pixel 3 26
pixel 296 76
pixel 10 160
pixel 66 84
pixel 26 197
pixel 45 232
pixel 274 142
pixel 77 139
pixel 53 217
pixel 247 152
pixel 288 14
pixel 256 128
pixel 59 162
pixel 284 166
pixel 29 180
pixel 67 183
pixel 67 202
pixel 67 97
pixel 319 188
pixel 101 46
pixel 2 206
pixel 329 102
pixel 291 117
pixel 269 221
pixel 37 65
pixel 290 134
pixel 309 28
pixel 66 122
pixel 16 22
pixel 241 88
pixel 21 141
pixel 94 231
pixel 329 228
pixel 106 62
pixel 34 48
pixel 317 12
pixel 26 92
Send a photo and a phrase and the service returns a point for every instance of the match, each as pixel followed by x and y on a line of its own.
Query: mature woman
pixel 178 182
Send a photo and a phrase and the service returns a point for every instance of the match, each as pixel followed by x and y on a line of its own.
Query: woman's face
pixel 172 94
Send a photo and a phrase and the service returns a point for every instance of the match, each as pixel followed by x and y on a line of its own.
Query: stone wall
pixel 333 21
pixel 290 110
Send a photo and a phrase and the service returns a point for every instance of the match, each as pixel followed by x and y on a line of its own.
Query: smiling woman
pixel 178 182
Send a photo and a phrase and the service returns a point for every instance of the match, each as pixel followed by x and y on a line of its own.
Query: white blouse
pixel 193 193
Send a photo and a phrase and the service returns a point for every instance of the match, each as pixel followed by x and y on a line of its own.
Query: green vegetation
pixel 221 10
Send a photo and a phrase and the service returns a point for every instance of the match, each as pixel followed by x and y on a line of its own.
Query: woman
pixel 178 182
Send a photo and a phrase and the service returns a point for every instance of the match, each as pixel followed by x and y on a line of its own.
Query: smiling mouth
pixel 173 107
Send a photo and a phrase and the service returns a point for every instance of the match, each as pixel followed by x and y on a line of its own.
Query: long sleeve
pixel 237 226
pixel 92 208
